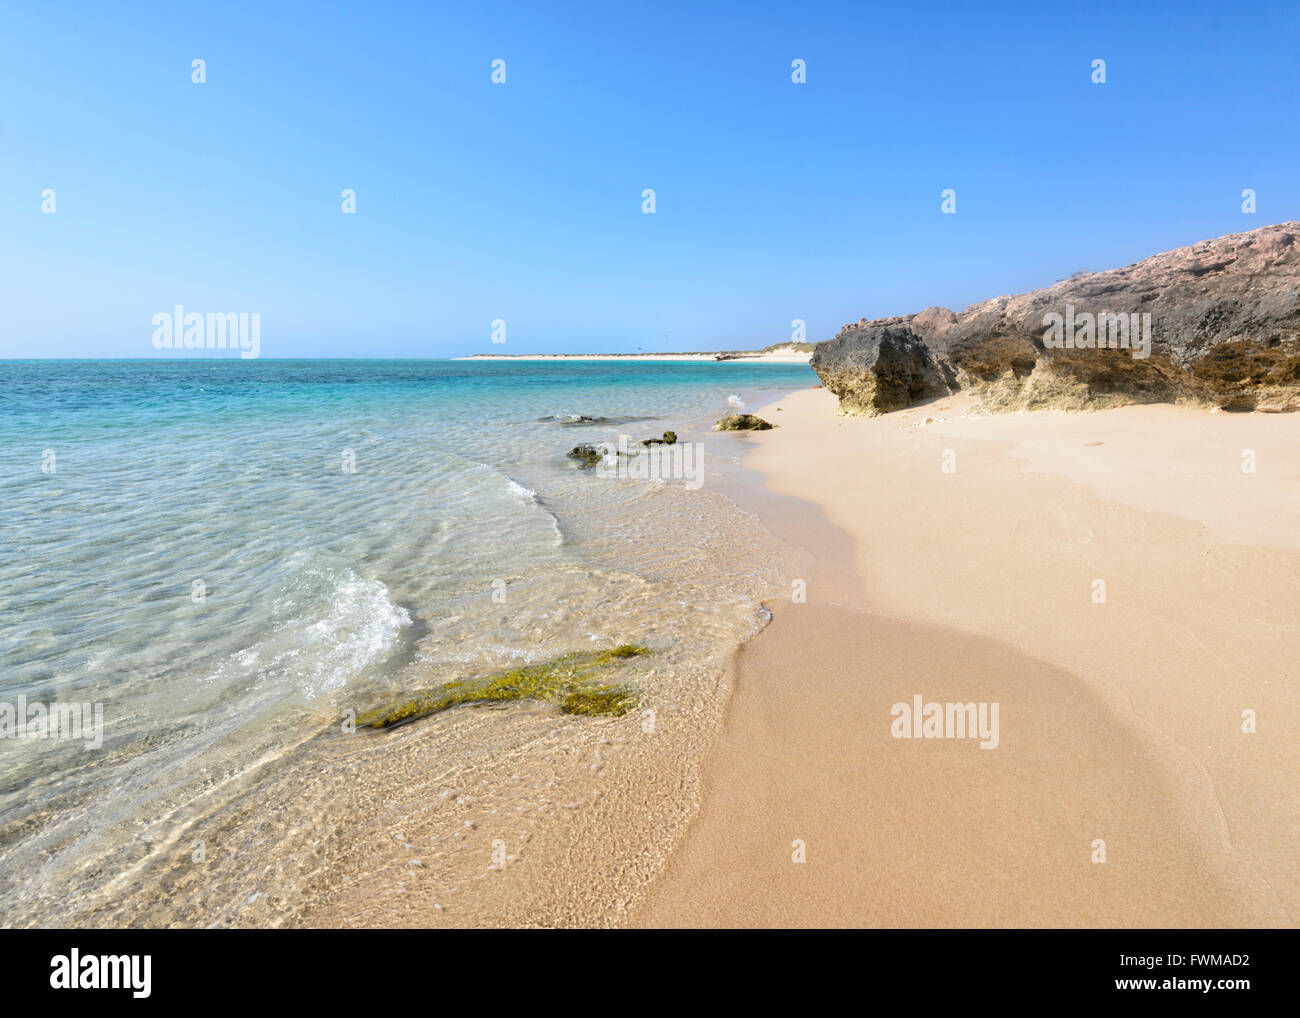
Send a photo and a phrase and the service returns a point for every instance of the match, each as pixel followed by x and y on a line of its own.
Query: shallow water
pixel 227 555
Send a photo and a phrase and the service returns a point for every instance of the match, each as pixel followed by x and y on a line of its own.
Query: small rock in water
pixel 670 438
pixel 586 455
pixel 742 422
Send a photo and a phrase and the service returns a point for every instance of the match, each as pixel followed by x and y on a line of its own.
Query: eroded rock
pixel 1222 318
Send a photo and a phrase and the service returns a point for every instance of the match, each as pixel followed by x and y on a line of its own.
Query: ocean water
pixel 226 555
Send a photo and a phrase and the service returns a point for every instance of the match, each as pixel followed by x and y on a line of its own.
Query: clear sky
pixel 522 201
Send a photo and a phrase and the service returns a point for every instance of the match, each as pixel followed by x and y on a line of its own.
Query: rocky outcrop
pixel 1215 324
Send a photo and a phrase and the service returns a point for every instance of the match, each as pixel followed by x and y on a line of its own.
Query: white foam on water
pixel 361 627
pixel 518 489
pixel 330 625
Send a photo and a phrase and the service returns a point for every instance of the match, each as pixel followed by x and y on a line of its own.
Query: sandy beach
pixel 1115 582
pixel 558 468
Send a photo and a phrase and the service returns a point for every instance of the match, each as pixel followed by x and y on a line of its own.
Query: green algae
pixel 572 679
pixel 610 701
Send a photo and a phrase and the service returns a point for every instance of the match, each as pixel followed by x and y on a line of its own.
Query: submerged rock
pixel 1215 324
pixel 572 679
pixel 608 700
pixel 576 420
pixel 743 422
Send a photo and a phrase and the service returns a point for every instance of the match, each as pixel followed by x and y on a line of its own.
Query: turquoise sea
pixel 226 554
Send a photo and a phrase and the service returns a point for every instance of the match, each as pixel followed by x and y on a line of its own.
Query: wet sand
pixel 1120 719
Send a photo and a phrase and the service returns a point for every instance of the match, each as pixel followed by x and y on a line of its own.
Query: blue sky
pixel 522 201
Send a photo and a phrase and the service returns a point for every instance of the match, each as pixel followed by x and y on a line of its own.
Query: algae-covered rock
pixel 742 422
pixel 670 438
pixel 608 700
pixel 586 454
pixel 575 680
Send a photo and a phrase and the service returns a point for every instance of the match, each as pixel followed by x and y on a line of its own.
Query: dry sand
pixel 1118 721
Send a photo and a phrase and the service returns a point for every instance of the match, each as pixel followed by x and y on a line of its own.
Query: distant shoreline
pixel 786 353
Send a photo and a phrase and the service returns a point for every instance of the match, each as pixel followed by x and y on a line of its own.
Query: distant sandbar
pixel 787 353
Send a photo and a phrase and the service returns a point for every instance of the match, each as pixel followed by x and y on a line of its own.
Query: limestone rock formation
pixel 1216 324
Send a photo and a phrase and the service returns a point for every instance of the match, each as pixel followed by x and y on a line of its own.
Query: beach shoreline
pixel 563 821
pixel 1124 790
pixel 452 539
